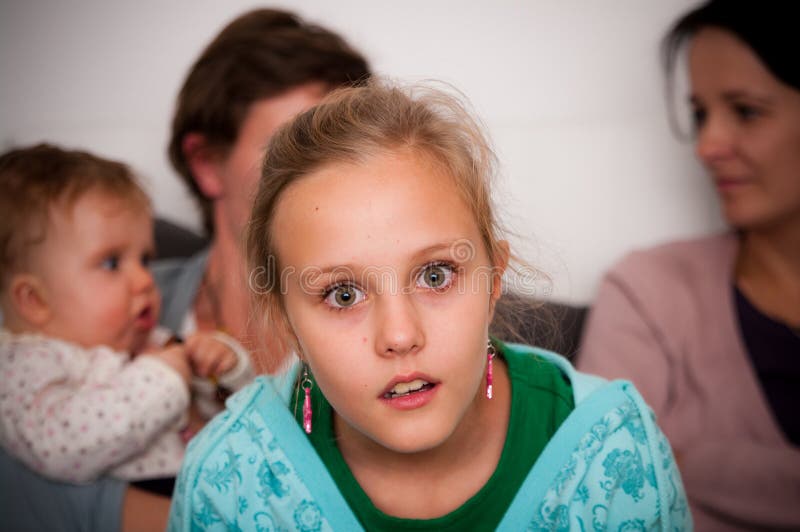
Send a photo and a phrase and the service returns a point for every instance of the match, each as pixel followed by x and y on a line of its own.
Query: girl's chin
pixel 413 445
pixel 414 437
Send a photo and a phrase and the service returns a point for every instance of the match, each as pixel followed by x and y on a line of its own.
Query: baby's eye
pixel 343 296
pixel 436 276
pixel 111 263
pixel 146 259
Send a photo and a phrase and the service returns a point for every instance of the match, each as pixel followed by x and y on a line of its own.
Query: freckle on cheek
pixel 364 339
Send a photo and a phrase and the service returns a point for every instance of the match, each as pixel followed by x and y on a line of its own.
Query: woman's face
pixel 748 131
pixel 388 288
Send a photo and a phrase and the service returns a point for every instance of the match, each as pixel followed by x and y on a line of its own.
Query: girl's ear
pixel 29 299
pixel 278 336
pixel 502 255
pixel 203 161
pixel 286 331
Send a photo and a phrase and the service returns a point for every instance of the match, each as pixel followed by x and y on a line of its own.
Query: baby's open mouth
pixel 145 319
pixel 401 389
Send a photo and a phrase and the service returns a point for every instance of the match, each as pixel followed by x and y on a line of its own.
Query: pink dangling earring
pixel 490 354
pixel 306 384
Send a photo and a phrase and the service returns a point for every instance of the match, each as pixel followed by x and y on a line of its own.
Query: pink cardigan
pixel 665 319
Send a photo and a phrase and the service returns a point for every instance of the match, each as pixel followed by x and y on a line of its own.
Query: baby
pixel 88 384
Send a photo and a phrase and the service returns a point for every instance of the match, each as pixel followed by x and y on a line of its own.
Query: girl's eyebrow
pixel 441 246
pixel 337 268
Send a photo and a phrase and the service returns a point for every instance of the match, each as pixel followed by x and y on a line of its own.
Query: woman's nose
pixel 715 140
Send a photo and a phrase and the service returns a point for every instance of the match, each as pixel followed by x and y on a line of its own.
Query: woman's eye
pixel 436 276
pixel 110 263
pixel 698 117
pixel 344 296
pixel 745 112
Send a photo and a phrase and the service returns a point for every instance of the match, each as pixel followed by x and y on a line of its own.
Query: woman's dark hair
pixel 768 27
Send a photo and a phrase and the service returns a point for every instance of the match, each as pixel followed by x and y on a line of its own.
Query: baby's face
pixel 95 276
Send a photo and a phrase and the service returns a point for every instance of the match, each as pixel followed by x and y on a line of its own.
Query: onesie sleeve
pixel 75 413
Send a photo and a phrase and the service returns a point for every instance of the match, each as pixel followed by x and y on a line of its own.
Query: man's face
pixel 239 170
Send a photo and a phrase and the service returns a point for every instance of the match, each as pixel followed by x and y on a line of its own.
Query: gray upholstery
pixel 553 326
pixel 175 241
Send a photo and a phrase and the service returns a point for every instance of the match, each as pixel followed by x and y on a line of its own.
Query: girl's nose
pixel 399 326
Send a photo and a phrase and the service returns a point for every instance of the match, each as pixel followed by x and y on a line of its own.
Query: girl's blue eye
pixel 111 263
pixel 344 296
pixel 437 276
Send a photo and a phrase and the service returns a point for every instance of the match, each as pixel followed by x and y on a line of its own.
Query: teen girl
pixel 377 257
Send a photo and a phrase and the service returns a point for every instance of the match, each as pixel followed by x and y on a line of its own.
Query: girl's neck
pixel 410 485
pixel 768 271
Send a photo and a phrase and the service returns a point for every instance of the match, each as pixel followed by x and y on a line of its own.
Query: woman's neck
pixel 411 485
pixel 768 271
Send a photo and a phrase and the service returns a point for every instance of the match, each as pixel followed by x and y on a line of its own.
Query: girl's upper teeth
pixel 405 387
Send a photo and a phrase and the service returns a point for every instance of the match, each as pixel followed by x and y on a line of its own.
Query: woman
pixel 709 330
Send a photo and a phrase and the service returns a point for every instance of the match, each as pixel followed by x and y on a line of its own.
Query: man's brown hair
pixel 261 54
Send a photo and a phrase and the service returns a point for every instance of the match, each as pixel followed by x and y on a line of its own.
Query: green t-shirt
pixel 541 399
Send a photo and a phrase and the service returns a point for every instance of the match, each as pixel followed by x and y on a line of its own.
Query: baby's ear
pixel 29 299
pixel 204 162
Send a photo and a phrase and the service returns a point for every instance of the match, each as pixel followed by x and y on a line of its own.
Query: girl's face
pixel 389 291
pixel 748 130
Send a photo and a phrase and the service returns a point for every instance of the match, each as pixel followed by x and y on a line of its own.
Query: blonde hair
pixel 351 125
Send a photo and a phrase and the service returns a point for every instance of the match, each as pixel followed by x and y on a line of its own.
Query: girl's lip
pixel 412 400
pixel 406 378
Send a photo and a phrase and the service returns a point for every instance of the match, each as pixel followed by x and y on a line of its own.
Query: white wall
pixel 570 90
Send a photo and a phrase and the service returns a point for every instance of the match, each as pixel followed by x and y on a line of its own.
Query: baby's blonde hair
pixel 351 125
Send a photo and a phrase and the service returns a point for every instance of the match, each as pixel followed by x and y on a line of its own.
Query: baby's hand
pixel 209 356
pixel 174 356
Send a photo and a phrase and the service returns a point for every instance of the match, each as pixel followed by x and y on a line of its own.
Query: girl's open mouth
pixel 402 389
pixel 409 392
